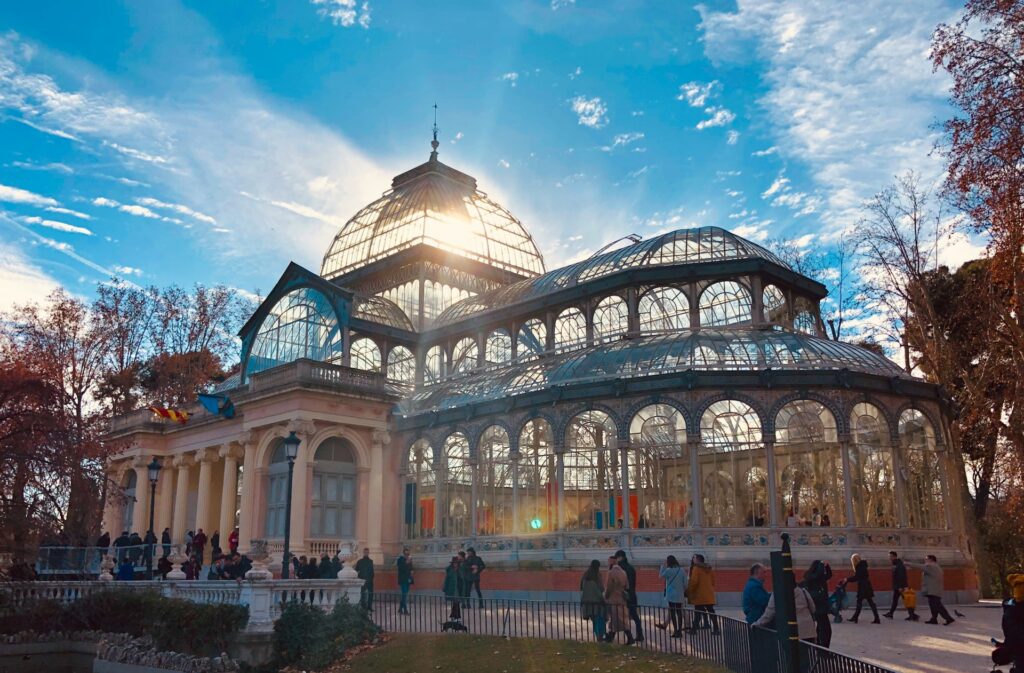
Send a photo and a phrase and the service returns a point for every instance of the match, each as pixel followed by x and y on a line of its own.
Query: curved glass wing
pixel 302 324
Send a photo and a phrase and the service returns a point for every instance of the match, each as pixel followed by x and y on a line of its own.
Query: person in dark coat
pixel 899 585
pixel 122 541
pixel 364 571
pixel 816 582
pixel 1011 651
pixel 102 545
pixel 135 547
pixel 312 571
pixel 405 579
pixel 452 587
pixel 165 540
pixel 215 542
pixel 472 568
pixel 199 545
pixel 592 606
pixel 150 541
pixel 631 601
pixel 125 570
pixel 164 566
pixel 865 592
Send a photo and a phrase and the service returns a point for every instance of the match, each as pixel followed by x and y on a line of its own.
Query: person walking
pixel 405 579
pixel 592 606
pixel 899 585
pixel 701 594
pixel 364 571
pixel 931 587
pixel 675 593
pixel 616 596
pixel 865 592
pixel 1011 652
pixel 631 599
pixel 472 568
pixel 804 608
pixel 816 583
pixel 755 596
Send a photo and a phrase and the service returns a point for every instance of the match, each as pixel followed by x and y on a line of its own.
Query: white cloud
pixel 781 183
pixel 510 77
pixel 344 13
pixel 133 153
pixel 559 4
pixel 503 163
pixel 56 167
pixel 763 153
pixel 592 112
pixel 132 209
pixel 732 136
pixel 623 140
pixel 10 194
pixel 719 117
pixel 21 281
pixel 957 249
pixel 697 94
pixel 576 73
pixel 179 208
pixel 756 231
pixel 58 226
pixel 127 270
pixel 67 211
pixel 457 138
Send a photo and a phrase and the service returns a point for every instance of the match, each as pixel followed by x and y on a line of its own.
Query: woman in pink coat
pixel 615 597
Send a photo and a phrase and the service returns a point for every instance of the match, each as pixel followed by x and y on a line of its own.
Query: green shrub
pixel 308 638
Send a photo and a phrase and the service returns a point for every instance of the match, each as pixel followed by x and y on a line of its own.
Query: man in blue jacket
pixel 755 596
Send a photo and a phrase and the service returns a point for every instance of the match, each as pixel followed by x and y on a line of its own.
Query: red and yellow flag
pixel 170 414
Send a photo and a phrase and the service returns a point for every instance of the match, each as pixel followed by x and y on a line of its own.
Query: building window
pixel 494 493
pixel 804 320
pixel 538 485
pixel 570 330
pixel 465 356
pixel 724 303
pixel 458 486
pixel 593 486
pixel 401 365
pixel 808 466
pixel 277 490
pixel 128 504
pixel 611 319
pixel 433 365
pixel 660 468
pixel 871 468
pixel 365 355
pixel 774 305
pixel 332 514
pixel 498 350
pixel 301 325
pixel 664 309
pixel 922 471
pixel 732 464
pixel 420 491
pixel 532 340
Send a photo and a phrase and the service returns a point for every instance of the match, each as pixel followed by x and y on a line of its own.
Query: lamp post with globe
pixel 291 450
pixel 154 474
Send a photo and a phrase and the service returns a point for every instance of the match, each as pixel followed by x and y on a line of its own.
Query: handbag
pixel 909 598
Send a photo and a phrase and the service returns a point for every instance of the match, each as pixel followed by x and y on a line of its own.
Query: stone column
pixel 165 497
pixel 183 462
pixel 229 489
pixel 375 518
pixel 560 475
pixel 140 509
pixel 247 517
pixel 205 458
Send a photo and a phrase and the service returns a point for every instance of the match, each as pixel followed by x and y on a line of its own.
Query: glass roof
pixel 701 350
pixel 684 246
pixel 381 311
pixel 436 205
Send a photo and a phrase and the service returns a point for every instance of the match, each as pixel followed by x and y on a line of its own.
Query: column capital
pixel 183 461
pixel 207 455
pixel 230 450
pixel 300 427
pixel 245 438
pixel 141 461
pixel 381 437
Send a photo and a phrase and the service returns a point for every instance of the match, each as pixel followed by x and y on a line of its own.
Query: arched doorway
pixel 333 513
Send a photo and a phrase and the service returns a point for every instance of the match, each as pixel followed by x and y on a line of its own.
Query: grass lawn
pixel 407 653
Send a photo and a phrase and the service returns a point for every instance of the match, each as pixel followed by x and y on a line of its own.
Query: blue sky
pixel 177 142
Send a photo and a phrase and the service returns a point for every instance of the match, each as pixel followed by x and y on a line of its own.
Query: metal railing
pixel 85 561
pixel 715 638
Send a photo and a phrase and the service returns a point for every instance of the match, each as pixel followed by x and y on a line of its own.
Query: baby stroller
pixel 837 602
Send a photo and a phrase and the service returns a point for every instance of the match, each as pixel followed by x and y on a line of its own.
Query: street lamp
pixel 154 473
pixel 291 449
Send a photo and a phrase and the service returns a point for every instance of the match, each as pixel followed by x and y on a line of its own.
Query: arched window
pixel 302 324
pixel 458 486
pixel 420 491
pixel 593 485
pixel 660 467
pixel 365 355
pixel 611 319
pixel 494 492
pixel 532 340
pixel 808 466
pixel 401 365
pixel 465 356
pixel 871 468
pixel 774 305
pixel 498 350
pixel 277 489
pixel 724 303
pixel 803 319
pixel 433 365
pixel 731 461
pixel 664 309
pixel 570 330
pixel 538 486
pixel 128 504
pixel 922 471
pixel 332 514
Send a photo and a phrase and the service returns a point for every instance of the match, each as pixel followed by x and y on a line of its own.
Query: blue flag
pixel 218 404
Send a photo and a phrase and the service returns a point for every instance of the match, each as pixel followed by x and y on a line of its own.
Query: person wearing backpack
pixel 804 608
pixel 816 583
pixel 675 593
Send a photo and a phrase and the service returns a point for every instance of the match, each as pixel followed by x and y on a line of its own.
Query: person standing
pixel 804 607
pixel 755 596
pixel 364 571
pixel 865 592
pixel 899 585
pixel 150 542
pixel 199 545
pixel 473 566
pixel 1011 652
pixel 215 543
pixel 701 594
pixel 931 586
pixel 405 579
pixel 452 588
pixel 616 596
pixel 233 541
pixel 631 599
pixel 675 593
pixel 165 540
pixel 816 583
pixel 120 543
pixel 592 605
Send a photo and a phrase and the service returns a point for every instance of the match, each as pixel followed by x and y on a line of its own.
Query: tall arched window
pixel 538 486
pixel 724 303
pixel 570 330
pixel 128 504
pixel 871 468
pixel 611 319
pixel 498 350
pixel 593 484
pixel 420 491
pixel 333 508
pixel 401 365
pixel 433 365
pixel 664 309
pixel 465 356
pixel 732 466
pixel 277 489
pixel 302 324
pixel 803 318
pixel 365 355
pixel 532 340
pixel 494 491
pixel 659 467
pixel 922 471
pixel 458 486
pixel 808 466
pixel 774 305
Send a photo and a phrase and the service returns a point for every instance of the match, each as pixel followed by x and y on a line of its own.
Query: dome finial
pixel 433 143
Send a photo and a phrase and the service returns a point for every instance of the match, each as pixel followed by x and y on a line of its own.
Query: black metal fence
pixel 715 638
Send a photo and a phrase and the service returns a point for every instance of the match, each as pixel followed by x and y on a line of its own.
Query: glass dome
pixel 436 205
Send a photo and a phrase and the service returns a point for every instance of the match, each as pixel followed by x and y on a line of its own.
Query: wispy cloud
pixel 576 73
pixel 510 77
pixel 150 202
pixel 68 211
pixel 561 4
pixel 623 140
pixel 720 116
pixel 503 163
pixel 732 137
pixel 765 152
pixel 10 194
pixel 127 270
pixel 697 94
pixel 133 209
pixel 55 167
pixel 21 281
pixel 344 13
pixel 590 112
pixel 57 226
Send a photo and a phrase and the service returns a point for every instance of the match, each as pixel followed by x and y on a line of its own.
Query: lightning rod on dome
pixel 434 143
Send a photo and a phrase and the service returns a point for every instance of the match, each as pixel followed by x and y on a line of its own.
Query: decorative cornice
pixel 231 450
pixel 183 460
pixel 207 455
